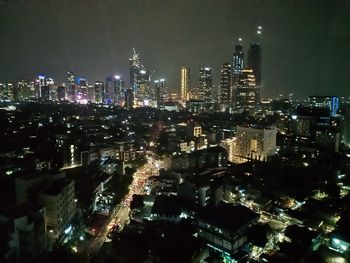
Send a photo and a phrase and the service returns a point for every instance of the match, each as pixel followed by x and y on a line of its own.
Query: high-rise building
pixel 254 61
pixel 140 80
pixel 161 93
pixel 129 99
pixel 82 90
pixel 135 67
pixel 331 102
pixel 247 94
pixel 6 91
pixel 143 88
pixel 45 93
pixel 98 91
pixel 185 83
pixel 225 89
pixel 71 89
pixel 108 93
pixel 119 90
pixel 61 92
pixel 205 85
pixel 238 59
pixel 25 90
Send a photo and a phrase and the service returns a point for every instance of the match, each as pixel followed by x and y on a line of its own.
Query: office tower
pixel 135 67
pixel 91 93
pixel 225 89
pixel 255 56
pixel 119 90
pixel 330 102
pixel 71 89
pixel 140 80
pixel 129 99
pixel 6 91
pixel 143 88
pixel 61 92
pixel 108 93
pixel 82 90
pixel 161 93
pixel 257 143
pixel 205 85
pixel 98 91
pixel 45 93
pixel 237 66
pixel 185 83
pixel 25 90
pixel 40 82
pixel 49 82
pixel 254 61
pixel 248 95
pixel 238 59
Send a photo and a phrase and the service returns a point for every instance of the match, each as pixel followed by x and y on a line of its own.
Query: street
pixel 120 215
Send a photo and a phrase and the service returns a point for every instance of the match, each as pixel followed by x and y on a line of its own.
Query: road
pixel 121 212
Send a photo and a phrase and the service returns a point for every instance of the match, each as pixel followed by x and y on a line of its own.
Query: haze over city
pixel 304 42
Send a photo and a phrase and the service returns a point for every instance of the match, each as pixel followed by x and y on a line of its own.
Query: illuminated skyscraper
pixel 98 90
pixel 185 83
pixel 255 56
pixel 108 93
pixel 82 91
pixel 135 67
pixel 25 90
pixel 140 79
pixel 254 61
pixel 6 91
pixel 205 85
pixel 225 89
pixel 70 86
pixel 143 88
pixel 119 90
pixel 238 59
pixel 248 94
pixel 161 93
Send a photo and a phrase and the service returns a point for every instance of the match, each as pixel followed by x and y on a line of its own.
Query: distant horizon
pixel 304 44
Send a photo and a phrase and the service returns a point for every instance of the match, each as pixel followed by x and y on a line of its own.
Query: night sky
pixel 306 43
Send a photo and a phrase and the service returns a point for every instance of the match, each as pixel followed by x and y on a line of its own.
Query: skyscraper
pixel 119 90
pixel 70 86
pixel 6 91
pixel 25 90
pixel 205 85
pixel 161 93
pixel 238 58
pixel 225 89
pixel 98 91
pixel 185 83
pixel 82 91
pixel 129 99
pixel 248 94
pixel 135 67
pixel 254 57
pixel 108 93
pixel 140 79
pixel 254 61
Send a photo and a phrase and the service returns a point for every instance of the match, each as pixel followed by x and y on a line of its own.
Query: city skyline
pixel 102 47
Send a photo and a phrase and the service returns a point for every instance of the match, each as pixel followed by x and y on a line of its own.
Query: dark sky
pixel 306 43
